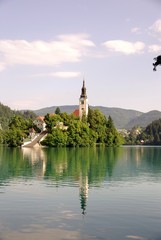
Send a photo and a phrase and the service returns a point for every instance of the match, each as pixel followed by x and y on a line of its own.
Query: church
pixel 83 109
pixel 83 103
pixel 40 122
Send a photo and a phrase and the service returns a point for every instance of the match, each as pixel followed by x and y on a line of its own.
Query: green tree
pixel 14 137
pixel 97 122
pixel 152 133
pixel 18 130
pixel 51 121
pixel 58 138
pixel 57 111
pixel 113 137
pixel 85 132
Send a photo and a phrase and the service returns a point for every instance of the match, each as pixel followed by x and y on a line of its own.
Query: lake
pixel 80 193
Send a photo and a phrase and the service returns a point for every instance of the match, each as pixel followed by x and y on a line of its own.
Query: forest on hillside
pixel 6 115
pixel 96 129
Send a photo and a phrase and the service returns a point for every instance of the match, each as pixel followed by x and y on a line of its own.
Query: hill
pixel 144 119
pixel 123 118
pixel 67 108
pixel 6 113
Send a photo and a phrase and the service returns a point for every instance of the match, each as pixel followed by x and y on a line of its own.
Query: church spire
pixel 83 102
pixel 83 92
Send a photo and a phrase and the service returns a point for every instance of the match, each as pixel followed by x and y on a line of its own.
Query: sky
pixel 48 47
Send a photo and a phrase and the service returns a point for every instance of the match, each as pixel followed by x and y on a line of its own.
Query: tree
pixel 14 137
pixel 58 138
pixel 18 130
pixel 97 122
pixel 152 133
pixel 57 111
pixel 74 129
pixel 113 137
pixel 51 121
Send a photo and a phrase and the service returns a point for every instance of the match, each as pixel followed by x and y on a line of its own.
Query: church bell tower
pixel 83 102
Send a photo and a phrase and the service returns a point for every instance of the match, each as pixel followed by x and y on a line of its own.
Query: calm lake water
pixel 82 194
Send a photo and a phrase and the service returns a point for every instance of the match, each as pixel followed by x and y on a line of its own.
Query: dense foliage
pixel 68 130
pixel 63 129
pixel 152 133
pixel 14 125
pixel 6 114
pixel 17 131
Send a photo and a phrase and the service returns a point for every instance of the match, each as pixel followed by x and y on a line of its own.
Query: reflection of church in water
pixel 37 156
pixel 83 180
pixel 38 160
pixel 83 192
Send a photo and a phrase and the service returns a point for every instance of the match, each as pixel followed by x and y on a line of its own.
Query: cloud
pixel 125 47
pixel 65 74
pixel 156 27
pixel 67 48
pixel 155 48
pixel 58 74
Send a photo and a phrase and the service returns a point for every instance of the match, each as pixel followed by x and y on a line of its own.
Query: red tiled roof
pixel 40 118
pixel 76 113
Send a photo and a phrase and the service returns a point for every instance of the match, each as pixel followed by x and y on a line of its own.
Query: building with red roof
pixel 83 103
pixel 76 113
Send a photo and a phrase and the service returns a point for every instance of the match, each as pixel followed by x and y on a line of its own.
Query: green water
pixel 86 193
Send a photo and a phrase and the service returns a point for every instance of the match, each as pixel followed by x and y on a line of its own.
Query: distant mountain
pixel 144 119
pixel 123 118
pixel 43 111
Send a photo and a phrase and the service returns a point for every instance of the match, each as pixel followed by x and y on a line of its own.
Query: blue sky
pixel 47 48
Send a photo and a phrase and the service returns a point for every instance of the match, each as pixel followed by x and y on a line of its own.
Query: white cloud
pixel 155 48
pixel 65 74
pixel 125 47
pixel 156 27
pixel 77 39
pixel 68 48
pixel 59 74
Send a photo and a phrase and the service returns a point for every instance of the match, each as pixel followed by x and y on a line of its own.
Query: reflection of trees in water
pixel 59 164
pixel 71 163
pixel 37 159
pixel 82 167
pixel 11 163
pixel 144 158
pixel 17 162
pixel 68 164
